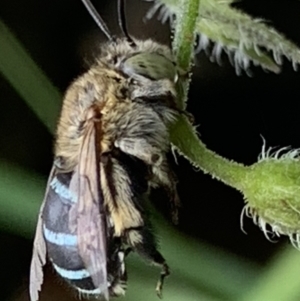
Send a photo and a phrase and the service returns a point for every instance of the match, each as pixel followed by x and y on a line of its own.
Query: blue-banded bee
pixel 111 144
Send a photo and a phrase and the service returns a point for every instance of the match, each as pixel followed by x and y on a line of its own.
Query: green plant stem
pixel 183 135
pixel 184 39
pixel 28 79
pixel 188 144
pixel 280 281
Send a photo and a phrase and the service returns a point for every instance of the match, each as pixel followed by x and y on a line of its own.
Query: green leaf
pixel 242 37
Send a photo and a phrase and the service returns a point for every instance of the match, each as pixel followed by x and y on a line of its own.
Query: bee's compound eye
pixel 150 65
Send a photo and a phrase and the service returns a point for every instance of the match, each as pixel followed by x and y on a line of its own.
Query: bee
pixel 110 151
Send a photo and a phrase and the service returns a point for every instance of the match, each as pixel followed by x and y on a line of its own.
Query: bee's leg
pixel 164 177
pixel 160 283
pixel 140 148
pixel 143 242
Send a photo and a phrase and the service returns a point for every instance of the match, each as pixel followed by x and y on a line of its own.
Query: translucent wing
pixel 39 253
pixel 88 216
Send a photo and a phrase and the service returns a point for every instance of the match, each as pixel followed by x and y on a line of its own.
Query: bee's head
pixel 133 58
pixel 145 60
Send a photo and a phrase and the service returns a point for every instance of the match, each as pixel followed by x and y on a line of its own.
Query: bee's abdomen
pixel 61 243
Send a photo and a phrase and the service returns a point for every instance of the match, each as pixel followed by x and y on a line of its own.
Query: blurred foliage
pixel 23 74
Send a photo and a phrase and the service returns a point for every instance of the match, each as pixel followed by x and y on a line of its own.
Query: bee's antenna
pixel 97 18
pixel 122 21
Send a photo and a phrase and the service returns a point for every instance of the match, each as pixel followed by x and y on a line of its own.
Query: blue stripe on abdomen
pixel 58 205
pixel 62 190
pixel 95 291
pixel 60 239
pixel 71 274
pixel 79 279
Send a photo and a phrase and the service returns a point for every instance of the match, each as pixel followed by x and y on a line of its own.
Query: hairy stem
pixel 184 39
pixel 188 144
pixel 183 135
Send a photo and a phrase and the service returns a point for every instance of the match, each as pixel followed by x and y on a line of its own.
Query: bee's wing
pixel 88 215
pixel 39 252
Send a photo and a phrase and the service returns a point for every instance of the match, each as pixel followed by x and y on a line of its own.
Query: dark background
pixel 232 113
